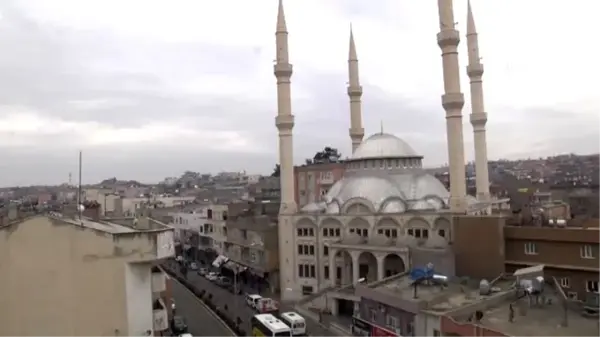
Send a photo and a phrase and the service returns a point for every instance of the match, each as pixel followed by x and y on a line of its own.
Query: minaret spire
pixel 357 131
pixel 478 115
pixel 285 119
pixel 452 101
pixel 285 124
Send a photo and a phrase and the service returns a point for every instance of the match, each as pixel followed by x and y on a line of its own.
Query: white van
pixel 252 300
pixel 296 322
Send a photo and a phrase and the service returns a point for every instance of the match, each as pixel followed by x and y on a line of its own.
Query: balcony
pixel 159 280
pixel 160 319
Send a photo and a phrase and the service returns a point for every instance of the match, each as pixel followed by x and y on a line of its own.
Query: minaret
pixel 285 124
pixel 284 120
pixel 452 101
pixel 478 114
pixel 355 93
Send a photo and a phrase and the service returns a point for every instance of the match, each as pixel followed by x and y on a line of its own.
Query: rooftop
pixel 456 293
pixel 538 320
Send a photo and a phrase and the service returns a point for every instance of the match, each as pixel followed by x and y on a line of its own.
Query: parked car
pixel 252 300
pixel 202 271
pixel 223 281
pixel 212 276
pixel 178 325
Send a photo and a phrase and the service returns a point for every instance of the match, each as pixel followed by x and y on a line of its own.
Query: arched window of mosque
pixel 419 233
pixel 372 163
pixel 397 162
pixel 365 164
pixel 389 163
pixel 381 163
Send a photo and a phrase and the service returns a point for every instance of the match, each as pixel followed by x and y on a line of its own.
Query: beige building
pixel 65 276
pixel 252 240
pixel 112 203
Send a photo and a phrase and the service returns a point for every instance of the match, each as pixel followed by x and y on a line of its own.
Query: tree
pixel 276 171
pixel 327 155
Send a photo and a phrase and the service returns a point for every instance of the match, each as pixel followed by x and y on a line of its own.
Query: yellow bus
pixel 267 325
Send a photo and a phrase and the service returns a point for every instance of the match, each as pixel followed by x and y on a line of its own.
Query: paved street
pixel 200 320
pixel 238 308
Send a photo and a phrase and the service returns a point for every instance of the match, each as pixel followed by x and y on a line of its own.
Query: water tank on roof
pixel 484 287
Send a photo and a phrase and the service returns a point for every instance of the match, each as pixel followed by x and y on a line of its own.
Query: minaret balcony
pixel 478 118
pixel 453 103
pixel 283 70
pixel 284 122
pixel 448 38
pixel 475 70
pixel 355 91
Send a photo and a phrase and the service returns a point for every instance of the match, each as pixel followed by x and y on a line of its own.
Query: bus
pixel 267 325
pixel 296 323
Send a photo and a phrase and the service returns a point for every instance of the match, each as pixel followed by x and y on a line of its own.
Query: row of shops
pixel 250 277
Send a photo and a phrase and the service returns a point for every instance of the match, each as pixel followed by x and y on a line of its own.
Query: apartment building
pixel 114 203
pixel 202 230
pixel 252 241
pixel 314 181
pixel 66 275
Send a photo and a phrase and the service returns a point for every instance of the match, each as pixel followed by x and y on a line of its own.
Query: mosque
pixel 386 213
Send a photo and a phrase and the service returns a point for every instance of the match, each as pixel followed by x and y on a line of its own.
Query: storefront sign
pixel 360 327
pixel 378 331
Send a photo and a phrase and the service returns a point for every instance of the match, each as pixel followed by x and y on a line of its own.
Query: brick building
pixel 314 181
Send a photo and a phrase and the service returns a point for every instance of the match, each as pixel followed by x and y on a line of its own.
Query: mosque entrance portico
pixel 351 263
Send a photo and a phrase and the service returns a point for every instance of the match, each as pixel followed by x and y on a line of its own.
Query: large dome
pixel 383 145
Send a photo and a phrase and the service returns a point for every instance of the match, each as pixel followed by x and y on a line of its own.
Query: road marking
pixel 212 313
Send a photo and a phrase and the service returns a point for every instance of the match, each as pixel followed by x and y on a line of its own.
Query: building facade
pixel 314 181
pixel 202 231
pixel 252 241
pixel 64 276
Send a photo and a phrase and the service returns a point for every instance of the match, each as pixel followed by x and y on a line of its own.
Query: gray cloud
pixel 94 76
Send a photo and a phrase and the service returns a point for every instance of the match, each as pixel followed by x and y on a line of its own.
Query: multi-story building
pixel 252 240
pixel 492 256
pixel 314 181
pixel 267 189
pixel 66 275
pixel 114 203
pixel 202 230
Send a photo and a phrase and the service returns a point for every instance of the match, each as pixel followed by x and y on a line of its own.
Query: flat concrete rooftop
pixel 542 320
pixel 454 295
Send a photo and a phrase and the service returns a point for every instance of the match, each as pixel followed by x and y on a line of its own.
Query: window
pixel 419 233
pixel 326 272
pixel 373 315
pixel 565 282
pixel 311 232
pixel 325 251
pixel 209 214
pixel 299 231
pixel 591 286
pixel 307 290
pixel 306 270
pixel 244 234
pixel 391 321
pixel 325 231
pixel 337 232
pixel 351 230
pixel 587 252
pixel 224 215
pixel 531 248
pixel 436 333
pixel 306 250
pixel 442 233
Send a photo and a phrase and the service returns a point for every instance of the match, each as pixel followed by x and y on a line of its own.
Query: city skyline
pixel 139 109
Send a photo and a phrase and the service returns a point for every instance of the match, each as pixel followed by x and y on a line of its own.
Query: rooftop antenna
pixel 381 131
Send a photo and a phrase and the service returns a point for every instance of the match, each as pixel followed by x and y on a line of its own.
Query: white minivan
pixel 252 300
pixel 296 322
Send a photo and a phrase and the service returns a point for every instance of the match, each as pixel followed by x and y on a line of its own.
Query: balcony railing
pixel 159 280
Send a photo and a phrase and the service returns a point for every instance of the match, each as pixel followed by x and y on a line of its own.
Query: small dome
pixel 383 145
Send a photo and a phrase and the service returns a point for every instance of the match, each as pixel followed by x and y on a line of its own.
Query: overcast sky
pixel 151 88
